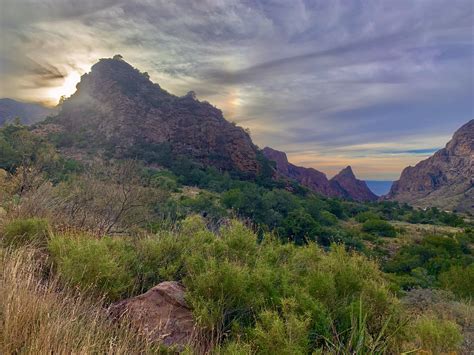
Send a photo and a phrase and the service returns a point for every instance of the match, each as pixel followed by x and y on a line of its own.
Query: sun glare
pixel 66 89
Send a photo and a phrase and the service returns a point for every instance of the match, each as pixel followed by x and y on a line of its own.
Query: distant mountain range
pixel 344 184
pixel 118 110
pixel 28 113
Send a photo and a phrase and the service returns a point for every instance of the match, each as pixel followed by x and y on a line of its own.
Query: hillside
pixel 344 184
pixel 118 109
pixel 120 256
pixel 28 113
pixel 444 180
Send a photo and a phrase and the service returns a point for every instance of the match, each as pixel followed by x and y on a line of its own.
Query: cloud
pixel 316 78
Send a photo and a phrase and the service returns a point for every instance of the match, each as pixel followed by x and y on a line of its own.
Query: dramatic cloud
pixel 375 84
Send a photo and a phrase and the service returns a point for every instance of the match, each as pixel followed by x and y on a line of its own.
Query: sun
pixel 66 89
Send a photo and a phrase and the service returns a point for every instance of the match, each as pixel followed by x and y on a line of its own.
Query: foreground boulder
pixel 161 314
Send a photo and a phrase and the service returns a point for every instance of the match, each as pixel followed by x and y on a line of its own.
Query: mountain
pixel 309 177
pixel 344 184
pixel 27 112
pixel 350 187
pixel 444 180
pixel 118 109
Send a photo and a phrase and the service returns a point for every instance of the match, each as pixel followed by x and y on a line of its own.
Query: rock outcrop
pixel 343 185
pixel 309 177
pixel 350 187
pixel 161 314
pixel 28 113
pixel 118 108
pixel 444 180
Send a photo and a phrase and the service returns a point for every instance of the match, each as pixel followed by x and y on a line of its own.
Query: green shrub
pixel 379 227
pixel 426 260
pixel 365 216
pixel 232 281
pixel 459 280
pixel 326 218
pixel 26 231
pixel 285 333
pixel 161 258
pixel 246 293
pixel 164 180
pixel 437 335
pixel 105 266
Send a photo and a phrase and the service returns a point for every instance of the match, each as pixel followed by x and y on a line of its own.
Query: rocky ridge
pixel 444 180
pixel 118 108
pixel 351 187
pixel 344 185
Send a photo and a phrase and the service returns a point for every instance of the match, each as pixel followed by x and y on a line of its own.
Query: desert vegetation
pixel 267 268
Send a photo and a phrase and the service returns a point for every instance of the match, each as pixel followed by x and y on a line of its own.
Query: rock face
pixel 309 177
pixel 161 314
pixel 118 107
pixel 350 187
pixel 343 185
pixel 28 113
pixel 444 180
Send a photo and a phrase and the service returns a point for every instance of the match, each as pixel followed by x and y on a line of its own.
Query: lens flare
pixel 66 89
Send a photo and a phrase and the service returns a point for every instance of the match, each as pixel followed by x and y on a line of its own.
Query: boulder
pixel 161 313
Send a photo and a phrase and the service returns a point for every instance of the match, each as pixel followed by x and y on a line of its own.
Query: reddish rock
pixel 343 185
pixel 444 180
pixel 161 314
pixel 309 177
pixel 350 187
pixel 118 108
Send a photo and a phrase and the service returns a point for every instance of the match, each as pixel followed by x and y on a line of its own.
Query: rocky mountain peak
pixel 444 180
pixel 344 184
pixel 347 172
pixel 118 108
pixel 350 187
pixel 280 158
pixel 462 143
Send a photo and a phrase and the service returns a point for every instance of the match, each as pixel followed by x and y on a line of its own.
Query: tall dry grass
pixel 39 316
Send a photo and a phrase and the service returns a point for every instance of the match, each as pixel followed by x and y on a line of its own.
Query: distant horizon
pixel 379 187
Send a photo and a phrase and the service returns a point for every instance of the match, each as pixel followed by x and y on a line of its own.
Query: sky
pixel 378 85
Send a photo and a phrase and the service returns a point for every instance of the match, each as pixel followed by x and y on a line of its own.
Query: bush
pixel 379 227
pixel 285 333
pixel 26 231
pixel 422 263
pixel 106 266
pixel 248 292
pixel 160 258
pixel 365 216
pixel 232 280
pixel 459 280
pixel 437 335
